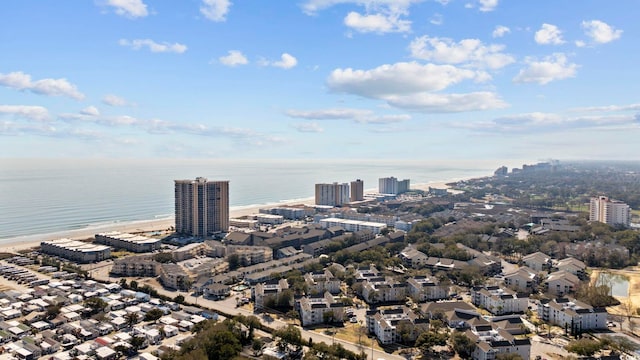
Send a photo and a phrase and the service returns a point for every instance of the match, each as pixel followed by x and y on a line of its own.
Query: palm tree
pixel 132 319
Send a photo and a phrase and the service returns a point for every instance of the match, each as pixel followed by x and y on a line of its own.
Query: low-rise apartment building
pixel 190 251
pixel 424 288
pixel 381 290
pixel 138 266
pixel 491 342
pixel 174 276
pixel 262 292
pixel 320 309
pixel 498 301
pixel 537 261
pixel 573 266
pixel 129 242
pixel 523 280
pixel 396 325
pixel 560 283
pixel 572 315
pixel 411 257
pixel 77 251
pixel 319 282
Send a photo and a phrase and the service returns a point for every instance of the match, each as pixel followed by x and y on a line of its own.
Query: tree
pixel 133 285
pixel 583 347
pixel 462 345
pixel 153 315
pixel 96 304
pixel 52 311
pixel 131 318
pixel 234 261
pixel 136 342
pixel 287 336
pixel 328 317
pixel 256 346
pixel 163 257
pixel 179 299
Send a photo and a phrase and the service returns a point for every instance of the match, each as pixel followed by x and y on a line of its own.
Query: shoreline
pixel 25 242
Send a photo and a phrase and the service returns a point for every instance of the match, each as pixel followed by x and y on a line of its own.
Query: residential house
pixel 413 258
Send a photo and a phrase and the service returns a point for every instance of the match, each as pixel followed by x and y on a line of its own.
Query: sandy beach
pixel 30 241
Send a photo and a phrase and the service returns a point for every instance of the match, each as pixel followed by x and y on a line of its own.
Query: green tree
pixel 583 347
pixel 462 345
pixel 328 317
pixel 96 304
pixel 136 342
pixel 131 318
pixel 256 346
pixel 133 285
pixel 153 315
pixel 52 311
pixel 179 299
pixel 163 257
pixel 234 261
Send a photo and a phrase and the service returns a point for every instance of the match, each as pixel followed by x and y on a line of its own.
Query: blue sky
pixel 347 79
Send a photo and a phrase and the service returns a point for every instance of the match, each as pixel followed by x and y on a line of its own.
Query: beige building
pixel 357 190
pixel 201 207
pixel 313 310
pixel 611 212
pixel 268 290
pixel 174 276
pixel 190 251
pixel 77 251
pixel 143 266
pixel 332 194
pixel 320 282
pixel 130 242
pixel 423 288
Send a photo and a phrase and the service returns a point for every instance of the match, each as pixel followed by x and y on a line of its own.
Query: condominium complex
pixel 202 207
pixel 357 190
pixel 334 194
pixel 611 212
pixel 391 185
pixel 77 251
pixel 130 242
pixel 572 314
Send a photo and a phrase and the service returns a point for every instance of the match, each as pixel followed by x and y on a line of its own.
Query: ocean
pixel 40 196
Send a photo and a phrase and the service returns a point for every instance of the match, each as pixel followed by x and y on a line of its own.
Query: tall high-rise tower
pixel 357 190
pixel 332 194
pixel 202 207
pixel 608 211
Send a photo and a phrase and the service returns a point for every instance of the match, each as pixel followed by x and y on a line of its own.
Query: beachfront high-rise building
pixel 357 190
pixel 391 185
pixel 611 212
pixel 202 207
pixel 332 194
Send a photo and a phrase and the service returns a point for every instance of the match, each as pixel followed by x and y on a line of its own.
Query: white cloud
pixel 52 87
pixel 488 5
pixel 358 115
pixel 377 23
pixel 114 100
pixel 437 19
pixel 234 58
pixel 153 46
pixel 311 127
pixel 580 43
pixel 215 10
pixel 129 8
pixel 442 103
pixel 500 31
pixel 90 111
pixel 549 35
pixel 380 16
pixel 548 122
pixel 38 113
pixel 286 61
pixel 411 85
pixel 610 108
pixel 551 68
pixel 600 32
pixel 466 51
pixel 403 77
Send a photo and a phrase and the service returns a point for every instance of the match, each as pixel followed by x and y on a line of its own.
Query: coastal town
pixel 488 268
